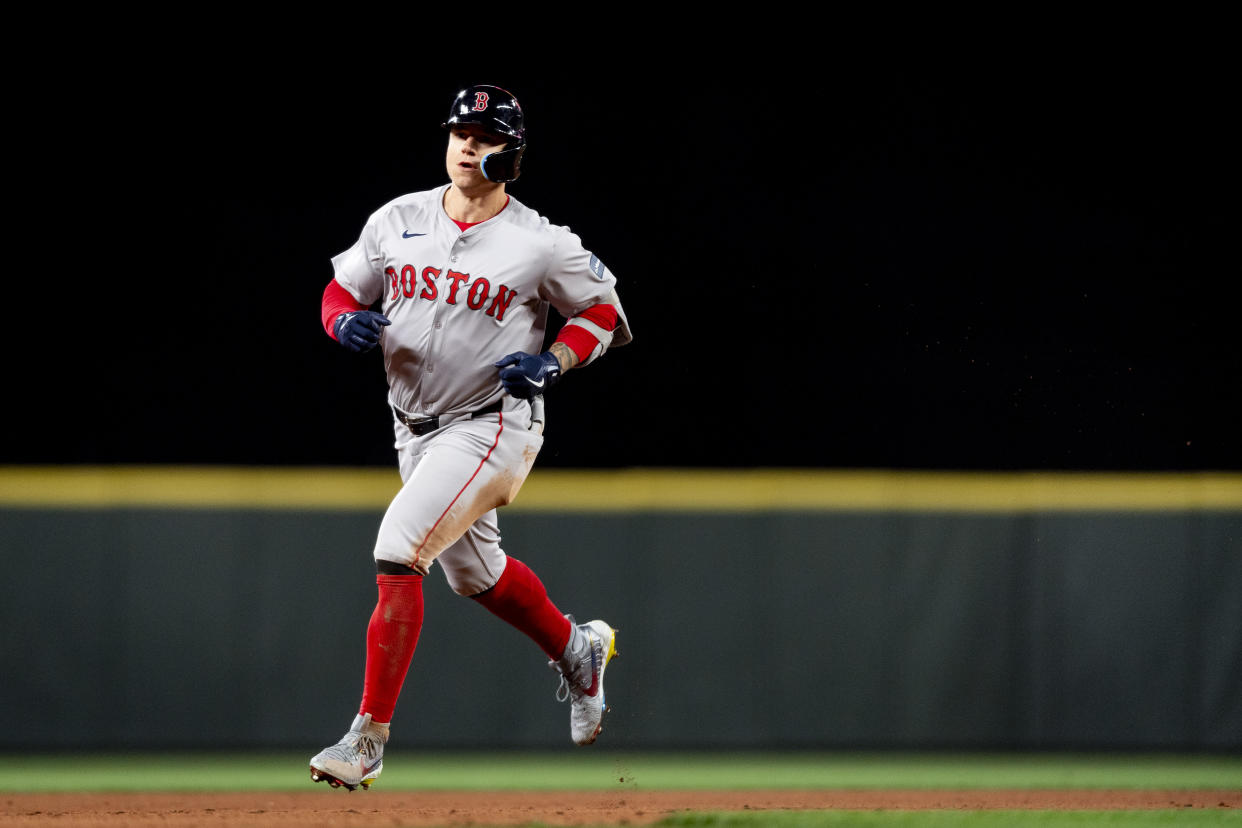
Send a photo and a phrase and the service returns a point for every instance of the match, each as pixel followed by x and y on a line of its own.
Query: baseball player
pixel 462 276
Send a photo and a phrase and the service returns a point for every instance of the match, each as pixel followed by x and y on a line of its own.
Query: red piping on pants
pixel 431 531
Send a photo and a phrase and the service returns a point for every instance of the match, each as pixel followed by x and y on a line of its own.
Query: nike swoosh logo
pixel 536 384
pixel 408 235
pixel 594 688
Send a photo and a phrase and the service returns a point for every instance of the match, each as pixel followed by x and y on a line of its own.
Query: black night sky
pixel 1018 265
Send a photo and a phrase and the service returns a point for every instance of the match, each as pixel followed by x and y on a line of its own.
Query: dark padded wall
pixel 159 628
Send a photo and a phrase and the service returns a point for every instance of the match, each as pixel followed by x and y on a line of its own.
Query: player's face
pixel 467 145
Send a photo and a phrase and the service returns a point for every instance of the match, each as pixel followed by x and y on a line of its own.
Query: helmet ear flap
pixel 503 166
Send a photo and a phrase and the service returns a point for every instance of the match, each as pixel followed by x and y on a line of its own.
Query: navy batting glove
pixel 359 330
pixel 528 375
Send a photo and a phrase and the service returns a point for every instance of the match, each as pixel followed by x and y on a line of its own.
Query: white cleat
pixel 355 760
pixel 591 646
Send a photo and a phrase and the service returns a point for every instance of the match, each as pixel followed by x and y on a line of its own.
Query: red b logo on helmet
pixel 480 101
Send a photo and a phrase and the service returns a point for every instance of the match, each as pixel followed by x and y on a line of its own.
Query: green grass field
pixel 957 819
pixel 618 769
pixel 622 771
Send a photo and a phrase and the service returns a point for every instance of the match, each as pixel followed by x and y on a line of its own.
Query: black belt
pixel 422 425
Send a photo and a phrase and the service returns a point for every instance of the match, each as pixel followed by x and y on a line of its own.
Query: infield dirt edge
pixel 633 807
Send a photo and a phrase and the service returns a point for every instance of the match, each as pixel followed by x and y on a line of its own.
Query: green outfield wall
pixel 148 607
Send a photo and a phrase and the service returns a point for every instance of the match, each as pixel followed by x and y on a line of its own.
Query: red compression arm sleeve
pixel 337 300
pixel 579 339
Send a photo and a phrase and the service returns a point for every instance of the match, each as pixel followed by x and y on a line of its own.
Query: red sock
pixel 392 636
pixel 519 597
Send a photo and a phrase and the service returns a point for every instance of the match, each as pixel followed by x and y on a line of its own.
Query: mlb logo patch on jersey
pixel 597 267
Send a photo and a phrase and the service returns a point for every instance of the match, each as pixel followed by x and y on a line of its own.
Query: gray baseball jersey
pixel 460 300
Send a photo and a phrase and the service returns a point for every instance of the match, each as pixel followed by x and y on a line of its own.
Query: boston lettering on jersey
pixel 406 283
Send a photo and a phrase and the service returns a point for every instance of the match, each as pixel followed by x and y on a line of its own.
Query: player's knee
pixel 471 581
pixel 470 587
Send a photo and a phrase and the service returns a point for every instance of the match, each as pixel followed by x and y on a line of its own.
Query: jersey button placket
pixel 429 367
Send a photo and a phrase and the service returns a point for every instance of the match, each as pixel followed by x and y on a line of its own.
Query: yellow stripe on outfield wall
pixel 718 490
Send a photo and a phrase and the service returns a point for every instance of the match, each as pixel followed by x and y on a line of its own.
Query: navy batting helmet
pixel 497 112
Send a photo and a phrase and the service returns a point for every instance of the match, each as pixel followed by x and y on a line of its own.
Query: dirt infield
pixel 633 807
